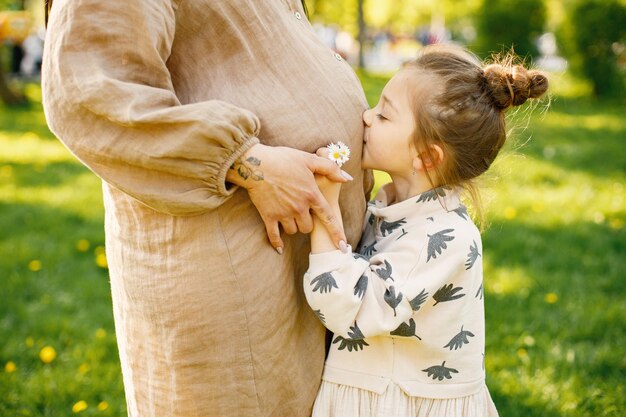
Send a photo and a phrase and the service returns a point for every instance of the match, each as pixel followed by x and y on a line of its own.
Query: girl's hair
pixel 47 5
pixel 465 115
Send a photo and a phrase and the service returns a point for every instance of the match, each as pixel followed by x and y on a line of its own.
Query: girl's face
pixel 389 127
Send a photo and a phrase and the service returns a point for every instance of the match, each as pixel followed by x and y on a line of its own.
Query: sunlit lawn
pixel 554 254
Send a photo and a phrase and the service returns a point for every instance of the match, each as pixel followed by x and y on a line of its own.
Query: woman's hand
pixel 281 184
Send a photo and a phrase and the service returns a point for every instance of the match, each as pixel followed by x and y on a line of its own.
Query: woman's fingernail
pixel 346 175
pixel 279 250
pixel 343 247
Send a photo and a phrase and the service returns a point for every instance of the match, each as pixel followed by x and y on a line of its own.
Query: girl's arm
pixel 340 286
pixel 321 240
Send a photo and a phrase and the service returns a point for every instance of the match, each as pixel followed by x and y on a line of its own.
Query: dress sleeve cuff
pixel 221 175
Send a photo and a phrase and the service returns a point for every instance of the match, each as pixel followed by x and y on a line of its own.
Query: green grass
pixel 53 292
pixel 555 263
pixel 554 255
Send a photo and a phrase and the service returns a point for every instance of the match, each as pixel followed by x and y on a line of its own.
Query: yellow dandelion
pixel 510 213
pixel 538 207
pixel 79 406
pixel 551 298
pixel 29 342
pixel 34 265
pixel 99 250
pixel 101 260
pixel 522 353
pixel 616 224
pixel 83 369
pixel 101 333
pixel 10 367
pixel 47 354
pixel 82 245
pixel 103 405
pixel 6 171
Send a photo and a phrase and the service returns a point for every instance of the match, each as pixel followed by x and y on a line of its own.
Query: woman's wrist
pixel 247 170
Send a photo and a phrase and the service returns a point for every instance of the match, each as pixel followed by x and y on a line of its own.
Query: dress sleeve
pixel 108 96
pixel 357 298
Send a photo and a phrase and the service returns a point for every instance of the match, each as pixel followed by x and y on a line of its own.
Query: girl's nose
pixel 367 117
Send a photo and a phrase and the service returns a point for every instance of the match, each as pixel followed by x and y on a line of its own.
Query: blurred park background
pixel 555 242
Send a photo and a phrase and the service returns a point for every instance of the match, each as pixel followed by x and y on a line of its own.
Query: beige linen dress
pixel 158 98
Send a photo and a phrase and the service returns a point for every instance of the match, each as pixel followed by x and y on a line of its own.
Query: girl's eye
pixel 380 116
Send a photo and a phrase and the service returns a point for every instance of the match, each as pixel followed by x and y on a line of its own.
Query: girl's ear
pixel 428 159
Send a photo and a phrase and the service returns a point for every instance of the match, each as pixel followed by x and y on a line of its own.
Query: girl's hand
pixel 330 189
pixel 321 240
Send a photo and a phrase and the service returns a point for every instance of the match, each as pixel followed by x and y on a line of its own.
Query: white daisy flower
pixel 339 153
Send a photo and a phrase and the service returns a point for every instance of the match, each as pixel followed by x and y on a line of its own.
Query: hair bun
pixel 513 85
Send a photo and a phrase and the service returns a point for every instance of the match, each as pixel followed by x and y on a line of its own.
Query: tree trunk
pixel 361 33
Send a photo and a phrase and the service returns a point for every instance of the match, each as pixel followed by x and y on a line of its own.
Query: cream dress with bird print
pixel 407 313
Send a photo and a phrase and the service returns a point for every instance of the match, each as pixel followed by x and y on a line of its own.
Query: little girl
pixel 407 309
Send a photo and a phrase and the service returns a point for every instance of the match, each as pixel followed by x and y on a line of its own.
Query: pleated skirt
pixel 334 400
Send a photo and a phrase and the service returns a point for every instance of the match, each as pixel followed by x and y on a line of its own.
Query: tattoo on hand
pixel 248 168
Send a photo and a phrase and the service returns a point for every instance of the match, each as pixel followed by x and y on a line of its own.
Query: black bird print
pixel 447 293
pixel 385 273
pixel 440 371
pixel 420 299
pixel 356 255
pixel 392 299
pixel 320 316
pixel 462 212
pixel 324 283
pixel 472 256
pixel 386 228
pixel 369 250
pixel 459 340
pixel 406 330
pixel 361 286
pixel 355 340
pixel 480 292
pixel 432 194
pixel 437 243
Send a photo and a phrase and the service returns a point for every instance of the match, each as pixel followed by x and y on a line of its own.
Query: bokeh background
pixel 554 243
